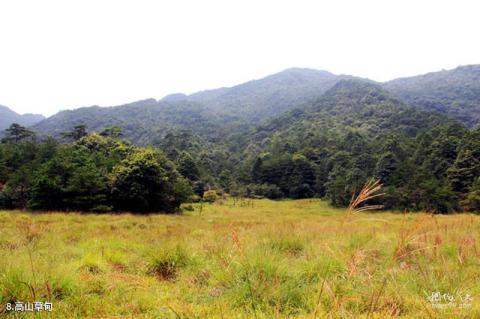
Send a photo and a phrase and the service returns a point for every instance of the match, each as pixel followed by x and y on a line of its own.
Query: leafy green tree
pixel 434 196
pixel 257 170
pixel 188 167
pixel 210 196
pixel 47 194
pixel 70 181
pixel 386 166
pixel 146 181
pixel 472 200
pixel 17 188
pixel 107 151
pixel 390 158
pixel 464 171
pixel 301 177
pixel 337 188
pixel 3 170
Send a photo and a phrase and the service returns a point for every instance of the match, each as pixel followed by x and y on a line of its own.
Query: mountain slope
pixel 211 114
pixel 228 113
pixel 351 105
pixel 142 122
pixel 7 117
pixel 259 99
pixel 454 92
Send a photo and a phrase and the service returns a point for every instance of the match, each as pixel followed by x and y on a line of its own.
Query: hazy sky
pixel 63 54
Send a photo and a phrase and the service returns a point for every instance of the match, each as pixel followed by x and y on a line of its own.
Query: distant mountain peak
pixel 305 71
pixel 175 97
pixel 356 88
pixel 8 117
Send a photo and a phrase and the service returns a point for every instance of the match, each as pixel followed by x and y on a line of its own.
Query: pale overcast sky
pixel 62 54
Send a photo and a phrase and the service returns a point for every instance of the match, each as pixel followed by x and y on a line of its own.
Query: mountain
pixel 7 117
pixel 356 131
pixel 228 113
pixel 259 99
pixel 212 114
pixel 142 122
pixel 350 105
pixel 454 92
pixel 287 136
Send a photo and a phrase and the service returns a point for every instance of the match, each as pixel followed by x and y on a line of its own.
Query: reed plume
pixel 370 190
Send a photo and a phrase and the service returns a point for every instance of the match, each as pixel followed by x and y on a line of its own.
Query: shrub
pixel 165 265
pixel 188 208
pixel 210 196
pixel 292 246
pixel 267 190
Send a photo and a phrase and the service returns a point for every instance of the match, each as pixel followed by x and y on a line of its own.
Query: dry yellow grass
pixel 285 259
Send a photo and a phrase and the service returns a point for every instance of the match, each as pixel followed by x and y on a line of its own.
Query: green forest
pixel 436 170
pixel 328 136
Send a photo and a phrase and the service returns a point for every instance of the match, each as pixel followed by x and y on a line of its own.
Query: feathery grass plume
pixel 370 190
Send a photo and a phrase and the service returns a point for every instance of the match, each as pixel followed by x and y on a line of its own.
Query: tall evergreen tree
pixel 16 133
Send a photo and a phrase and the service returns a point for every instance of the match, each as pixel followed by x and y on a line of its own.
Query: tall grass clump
pixel 292 246
pixel 166 263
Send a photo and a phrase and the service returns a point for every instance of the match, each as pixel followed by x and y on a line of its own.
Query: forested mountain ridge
pixel 433 165
pixel 324 144
pixel 217 114
pixel 142 122
pixel 357 130
pixel 453 92
pixel 7 117
pixel 357 105
pixel 211 114
pixel 259 99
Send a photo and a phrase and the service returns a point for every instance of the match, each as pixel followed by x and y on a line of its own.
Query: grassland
pixel 260 259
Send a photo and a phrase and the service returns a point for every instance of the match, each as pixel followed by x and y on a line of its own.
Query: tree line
pixel 93 172
pixel 435 170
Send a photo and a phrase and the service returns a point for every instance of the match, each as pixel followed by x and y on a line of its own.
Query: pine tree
pixel 16 133
pixel 464 171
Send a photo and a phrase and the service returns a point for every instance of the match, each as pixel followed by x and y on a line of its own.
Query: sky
pixel 57 55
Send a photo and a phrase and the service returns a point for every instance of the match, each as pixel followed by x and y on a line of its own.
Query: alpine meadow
pixel 304 194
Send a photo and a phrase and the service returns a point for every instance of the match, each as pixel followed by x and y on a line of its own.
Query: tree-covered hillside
pixel 259 99
pixel 453 92
pixel 142 122
pixel 325 146
pixel 210 114
pixel 98 173
pixel 217 115
pixel 355 132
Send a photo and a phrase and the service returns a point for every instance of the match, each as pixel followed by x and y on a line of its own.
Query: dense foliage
pixel 222 113
pixel 94 173
pixel 454 92
pixel 266 138
pixel 357 131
